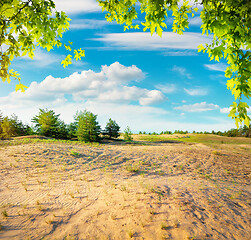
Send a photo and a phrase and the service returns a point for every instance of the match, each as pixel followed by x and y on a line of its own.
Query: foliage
pixel 48 124
pixel 12 126
pixel 72 129
pixel 26 25
pixel 229 21
pixel 88 129
pixel 128 134
pixel 8 128
pixel 112 129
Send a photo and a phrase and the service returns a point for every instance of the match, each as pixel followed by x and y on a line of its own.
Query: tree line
pixel 234 132
pixel 84 128
pixel 47 123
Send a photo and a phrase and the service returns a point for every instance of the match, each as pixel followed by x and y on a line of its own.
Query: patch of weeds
pixel 161 173
pixel 71 194
pixel 176 223
pixel 216 153
pixel 131 233
pixel 132 168
pixel 74 153
pixel 152 212
pixel 191 238
pixel 164 226
pixel 181 167
pixel 4 213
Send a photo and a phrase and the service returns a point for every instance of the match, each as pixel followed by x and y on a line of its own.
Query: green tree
pixel 112 129
pixel 8 128
pixel 229 21
pixel 88 129
pixel 72 130
pixel 47 123
pixel 128 134
pixel 26 25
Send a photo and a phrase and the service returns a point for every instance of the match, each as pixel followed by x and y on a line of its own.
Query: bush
pixel 88 129
pixel 112 129
pixel 128 134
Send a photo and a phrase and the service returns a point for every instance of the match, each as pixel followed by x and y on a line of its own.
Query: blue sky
pixel 142 81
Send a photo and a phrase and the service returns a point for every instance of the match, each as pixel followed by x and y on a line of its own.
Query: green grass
pixel 197 138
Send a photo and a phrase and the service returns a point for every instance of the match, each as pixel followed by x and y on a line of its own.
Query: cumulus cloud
pixel 144 41
pixel 111 84
pixel 197 107
pixel 196 91
pixel 220 67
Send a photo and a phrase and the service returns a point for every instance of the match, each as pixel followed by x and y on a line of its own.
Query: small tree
pixel 7 128
pixel 48 124
pixel 128 134
pixel 88 129
pixel 112 129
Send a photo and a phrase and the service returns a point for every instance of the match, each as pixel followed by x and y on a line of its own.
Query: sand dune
pixel 123 191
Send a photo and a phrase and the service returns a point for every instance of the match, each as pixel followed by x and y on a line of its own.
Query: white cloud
pixel 166 88
pixel 180 53
pixel 88 24
pixel 198 107
pixel 42 58
pixel 196 91
pixel 144 40
pixel 107 86
pixel 182 71
pixel 195 21
pixel 77 6
pixel 228 109
pixel 152 97
pixel 221 67
pixel 225 110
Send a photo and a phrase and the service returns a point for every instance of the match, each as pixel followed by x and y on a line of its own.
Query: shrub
pixel 88 129
pixel 112 129
pixel 128 134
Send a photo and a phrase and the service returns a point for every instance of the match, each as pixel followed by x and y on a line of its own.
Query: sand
pixel 124 191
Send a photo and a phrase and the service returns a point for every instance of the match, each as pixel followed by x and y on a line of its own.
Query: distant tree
pixel 21 129
pixel 48 124
pixel 128 134
pixel 72 130
pixel 112 129
pixel 8 128
pixel 88 129
pixel 246 131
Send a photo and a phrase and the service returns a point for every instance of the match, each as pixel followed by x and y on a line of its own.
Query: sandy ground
pixel 123 191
